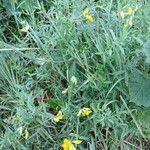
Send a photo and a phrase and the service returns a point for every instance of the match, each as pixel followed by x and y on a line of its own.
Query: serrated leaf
pixel 139 88
pixel 146 51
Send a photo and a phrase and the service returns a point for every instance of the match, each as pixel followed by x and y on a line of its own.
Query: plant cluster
pixel 74 74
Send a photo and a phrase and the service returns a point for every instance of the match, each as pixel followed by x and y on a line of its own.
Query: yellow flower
pixel 86 12
pixel 89 18
pixel 58 117
pixel 67 145
pixel 85 112
pixel 77 142
pixel 130 11
pixel 73 80
pixel 65 91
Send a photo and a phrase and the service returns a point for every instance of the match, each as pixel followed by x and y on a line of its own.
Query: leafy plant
pixel 56 62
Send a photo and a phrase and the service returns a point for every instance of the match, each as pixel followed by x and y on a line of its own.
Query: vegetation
pixel 74 74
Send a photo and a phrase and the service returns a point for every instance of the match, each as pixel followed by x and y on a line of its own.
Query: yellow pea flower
pixel 58 117
pixel 77 142
pixel 89 18
pixel 67 145
pixel 130 11
pixel 85 112
pixel 86 12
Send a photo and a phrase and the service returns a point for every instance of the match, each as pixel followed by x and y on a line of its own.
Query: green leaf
pixel 146 51
pixel 55 104
pixel 139 88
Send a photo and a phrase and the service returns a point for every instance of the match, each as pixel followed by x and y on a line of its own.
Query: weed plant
pixel 75 70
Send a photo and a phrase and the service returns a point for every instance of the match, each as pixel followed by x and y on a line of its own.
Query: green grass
pixel 59 44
